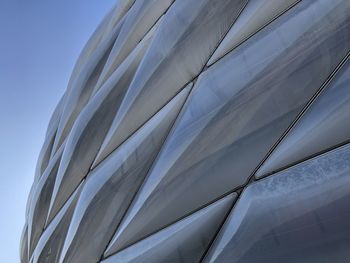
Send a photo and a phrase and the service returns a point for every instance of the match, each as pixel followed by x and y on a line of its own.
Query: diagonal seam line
pixel 325 84
pixel 194 80
pixel 129 86
pixel 204 68
pixel 224 219
pixel 254 33
pixel 333 147
pixel 151 27
pixel 95 157
pixel 137 191
pixel 313 98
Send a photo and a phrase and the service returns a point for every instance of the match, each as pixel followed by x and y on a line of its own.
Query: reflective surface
pixel 175 108
pixel 138 21
pixel 45 152
pixel 237 111
pixel 41 200
pixel 298 215
pixel 254 16
pixel 110 187
pixel 324 125
pixel 91 127
pixel 51 241
pixel 83 84
pixel 172 60
pixel 184 241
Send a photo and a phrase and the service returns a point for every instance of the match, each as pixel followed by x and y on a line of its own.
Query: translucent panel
pixel 139 20
pixel 237 111
pixel 90 47
pixel 55 118
pixel 325 124
pixel 99 43
pixel 41 200
pixel 89 65
pixel 172 60
pixel 30 199
pixel 297 215
pixel 110 187
pixel 51 241
pixel 90 129
pixel 45 152
pixel 184 241
pixel 117 13
pixel 255 15
pixel 146 39
pixel 79 92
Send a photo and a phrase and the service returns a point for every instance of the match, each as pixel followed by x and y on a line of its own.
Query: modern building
pixel 201 131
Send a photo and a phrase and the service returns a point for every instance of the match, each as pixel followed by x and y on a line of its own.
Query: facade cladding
pixel 201 131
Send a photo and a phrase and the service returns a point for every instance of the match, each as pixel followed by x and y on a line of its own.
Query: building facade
pixel 200 131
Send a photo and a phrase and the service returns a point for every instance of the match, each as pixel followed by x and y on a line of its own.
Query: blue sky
pixel 40 41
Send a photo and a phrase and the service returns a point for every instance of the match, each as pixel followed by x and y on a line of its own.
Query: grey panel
pixel 237 111
pixel 151 155
pixel 297 215
pixel 51 241
pixel 184 241
pixel 117 13
pixel 45 152
pixel 89 48
pixel 178 52
pixel 255 15
pixel 82 86
pixel 55 118
pixel 139 20
pixel 91 54
pixel 147 38
pixel 29 203
pixel 41 200
pixel 88 65
pixel 110 187
pixel 90 129
pixel 325 124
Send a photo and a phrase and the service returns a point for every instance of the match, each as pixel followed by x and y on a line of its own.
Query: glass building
pixel 200 131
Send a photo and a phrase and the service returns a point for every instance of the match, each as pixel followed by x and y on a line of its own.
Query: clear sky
pixel 40 41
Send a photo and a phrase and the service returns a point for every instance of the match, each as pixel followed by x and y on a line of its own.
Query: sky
pixel 40 41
